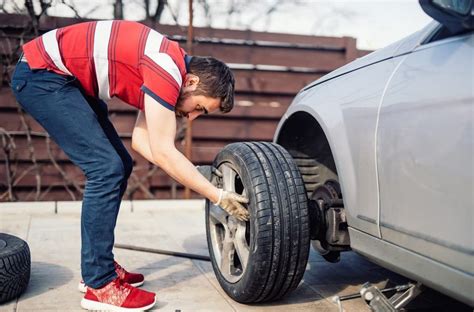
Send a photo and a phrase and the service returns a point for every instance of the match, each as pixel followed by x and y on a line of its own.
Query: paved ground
pixel 53 233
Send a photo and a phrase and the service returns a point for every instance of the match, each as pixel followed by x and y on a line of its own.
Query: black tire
pixel 279 224
pixel 15 267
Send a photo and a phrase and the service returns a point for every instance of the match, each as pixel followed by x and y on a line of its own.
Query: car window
pixel 459 6
pixel 442 32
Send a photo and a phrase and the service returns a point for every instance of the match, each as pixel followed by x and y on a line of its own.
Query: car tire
pixel 264 258
pixel 15 267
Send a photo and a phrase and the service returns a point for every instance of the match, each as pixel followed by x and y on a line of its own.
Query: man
pixel 63 79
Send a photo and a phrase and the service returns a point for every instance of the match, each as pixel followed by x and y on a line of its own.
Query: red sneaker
pixel 134 279
pixel 118 296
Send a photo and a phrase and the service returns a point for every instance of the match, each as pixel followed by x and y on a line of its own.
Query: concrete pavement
pixel 52 230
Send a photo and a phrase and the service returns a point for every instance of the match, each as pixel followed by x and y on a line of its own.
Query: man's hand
pixel 209 171
pixel 229 201
pixel 232 203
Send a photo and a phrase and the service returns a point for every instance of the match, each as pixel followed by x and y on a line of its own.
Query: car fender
pixel 331 122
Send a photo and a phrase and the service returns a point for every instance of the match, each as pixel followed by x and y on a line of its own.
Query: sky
pixel 374 23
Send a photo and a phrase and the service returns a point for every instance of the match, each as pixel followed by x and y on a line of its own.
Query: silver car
pixel 376 157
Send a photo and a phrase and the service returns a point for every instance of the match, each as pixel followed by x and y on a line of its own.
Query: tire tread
pixel 281 221
pixel 15 266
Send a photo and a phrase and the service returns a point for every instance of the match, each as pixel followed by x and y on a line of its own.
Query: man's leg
pixel 59 106
pixel 120 170
pixel 100 109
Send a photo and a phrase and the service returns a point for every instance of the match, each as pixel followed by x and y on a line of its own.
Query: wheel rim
pixel 229 237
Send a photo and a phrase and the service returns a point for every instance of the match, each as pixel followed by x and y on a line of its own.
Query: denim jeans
pixel 80 126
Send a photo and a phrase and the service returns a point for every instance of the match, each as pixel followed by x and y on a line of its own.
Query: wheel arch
pixel 304 137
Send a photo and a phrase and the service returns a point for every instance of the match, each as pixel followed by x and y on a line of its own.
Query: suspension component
pixel 329 233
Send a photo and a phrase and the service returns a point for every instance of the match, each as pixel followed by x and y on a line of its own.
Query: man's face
pixel 191 105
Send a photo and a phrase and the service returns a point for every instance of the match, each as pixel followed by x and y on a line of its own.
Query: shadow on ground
pixel 46 277
pixel 322 280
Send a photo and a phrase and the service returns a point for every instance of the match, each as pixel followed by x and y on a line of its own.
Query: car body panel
pixel 346 117
pixel 399 123
pixel 398 48
pixel 415 40
pixel 452 282
pixel 425 156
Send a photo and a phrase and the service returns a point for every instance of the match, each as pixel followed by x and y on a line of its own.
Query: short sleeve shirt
pixel 121 59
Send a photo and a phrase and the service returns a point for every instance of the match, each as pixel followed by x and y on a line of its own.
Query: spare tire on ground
pixel 15 266
pixel 264 258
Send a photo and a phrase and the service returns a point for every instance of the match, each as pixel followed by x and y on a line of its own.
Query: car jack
pixel 378 302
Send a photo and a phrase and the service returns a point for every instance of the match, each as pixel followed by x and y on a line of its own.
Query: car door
pixel 425 152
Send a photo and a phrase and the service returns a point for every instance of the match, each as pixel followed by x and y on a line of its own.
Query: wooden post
pixel 351 48
pixel 189 136
pixel 118 9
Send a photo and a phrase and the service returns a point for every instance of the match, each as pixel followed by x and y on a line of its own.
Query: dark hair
pixel 215 80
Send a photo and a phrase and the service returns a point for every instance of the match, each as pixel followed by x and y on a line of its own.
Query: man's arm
pixel 154 136
pixel 140 140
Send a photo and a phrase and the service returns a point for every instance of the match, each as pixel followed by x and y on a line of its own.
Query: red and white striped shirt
pixel 113 58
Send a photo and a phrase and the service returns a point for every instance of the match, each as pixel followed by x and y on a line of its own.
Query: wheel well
pixel 305 140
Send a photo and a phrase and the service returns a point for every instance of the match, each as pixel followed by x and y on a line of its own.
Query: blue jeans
pixel 80 126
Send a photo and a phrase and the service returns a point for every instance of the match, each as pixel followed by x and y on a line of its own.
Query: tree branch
pixel 159 10
pixel 73 8
pixel 8 146
pixel 138 183
pixel 31 150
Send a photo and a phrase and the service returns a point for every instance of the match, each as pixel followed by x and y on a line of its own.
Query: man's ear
pixel 191 81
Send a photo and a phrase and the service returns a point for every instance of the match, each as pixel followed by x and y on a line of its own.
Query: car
pixel 375 157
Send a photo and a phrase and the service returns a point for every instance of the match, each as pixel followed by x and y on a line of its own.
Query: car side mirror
pixel 456 15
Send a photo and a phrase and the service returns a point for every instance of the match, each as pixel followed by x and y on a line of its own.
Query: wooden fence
pixel 269 68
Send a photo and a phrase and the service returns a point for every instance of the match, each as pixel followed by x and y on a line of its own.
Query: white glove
pixel 232 203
